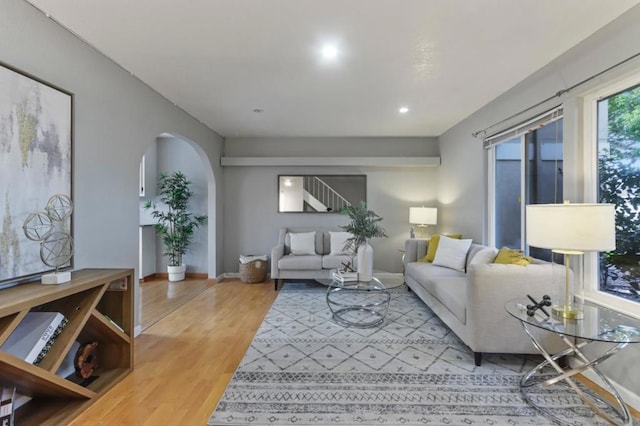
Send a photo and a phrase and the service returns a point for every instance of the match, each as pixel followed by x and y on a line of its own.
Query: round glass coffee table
pixel 361 304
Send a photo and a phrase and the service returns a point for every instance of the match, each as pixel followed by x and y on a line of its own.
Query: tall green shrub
pixel 175 224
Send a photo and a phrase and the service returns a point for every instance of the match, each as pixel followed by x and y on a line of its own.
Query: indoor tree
pixel 175 223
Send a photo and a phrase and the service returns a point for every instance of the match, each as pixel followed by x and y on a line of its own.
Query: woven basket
pixel 253 272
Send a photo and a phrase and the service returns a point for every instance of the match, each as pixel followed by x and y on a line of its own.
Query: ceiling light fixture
pixel 329 51
pixel 403 110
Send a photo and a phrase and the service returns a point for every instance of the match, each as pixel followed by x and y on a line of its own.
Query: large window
pixel 618 148
pixel 516 183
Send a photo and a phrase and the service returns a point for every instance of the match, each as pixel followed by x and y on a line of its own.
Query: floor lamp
pixel 569 230
pixel 421 217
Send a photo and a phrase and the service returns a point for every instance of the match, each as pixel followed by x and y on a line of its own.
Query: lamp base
pixel 567 311
pixel 420 231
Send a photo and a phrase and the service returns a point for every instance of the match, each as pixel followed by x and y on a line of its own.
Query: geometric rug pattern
pixel 304 368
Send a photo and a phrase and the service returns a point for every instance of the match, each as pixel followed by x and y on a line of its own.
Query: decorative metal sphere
pixel 37 226
pixel 59 207
pixel 57 249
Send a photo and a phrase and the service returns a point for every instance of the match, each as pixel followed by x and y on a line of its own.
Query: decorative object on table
pixel 421 218
pixel 86 359
pixel 342 277
pixel 365 224
pixel 253 268
pixel 346 267
pixel 36 137
pixel 531 309
pixel 569 230
pixel 56 243
pixel 176 224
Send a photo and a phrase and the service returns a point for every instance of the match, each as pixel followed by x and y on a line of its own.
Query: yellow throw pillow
pixel 507 256
pixel 433 246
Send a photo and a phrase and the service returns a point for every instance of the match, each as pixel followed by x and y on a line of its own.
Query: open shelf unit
pixel 98 304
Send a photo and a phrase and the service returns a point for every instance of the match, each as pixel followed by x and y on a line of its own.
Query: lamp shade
pixel 423 215
pixel 584 227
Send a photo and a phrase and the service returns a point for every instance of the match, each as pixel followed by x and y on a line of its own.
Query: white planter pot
pixel 365 262
pixel 176 273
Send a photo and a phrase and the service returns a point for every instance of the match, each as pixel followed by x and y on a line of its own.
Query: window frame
pixel 491 176
pixel 590 101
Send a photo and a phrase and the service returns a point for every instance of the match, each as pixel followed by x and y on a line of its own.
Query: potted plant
pixel 175 223
pixel 365 224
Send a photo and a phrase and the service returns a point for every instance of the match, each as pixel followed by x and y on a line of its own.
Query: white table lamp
pixel 421 217
pixel 569 230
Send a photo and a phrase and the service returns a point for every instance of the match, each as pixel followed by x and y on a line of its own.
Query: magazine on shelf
pixel 7 394
pixel 34 336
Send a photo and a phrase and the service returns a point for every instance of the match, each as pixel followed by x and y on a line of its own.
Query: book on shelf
pixel 343 277
pixel 34 336
pixel 7 394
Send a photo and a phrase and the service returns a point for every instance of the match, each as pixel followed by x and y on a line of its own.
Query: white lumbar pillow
pixel 338 241
pixel 452 253
pixel 484 256
pixel 303 243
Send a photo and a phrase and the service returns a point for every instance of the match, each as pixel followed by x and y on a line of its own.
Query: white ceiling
pixel 221 59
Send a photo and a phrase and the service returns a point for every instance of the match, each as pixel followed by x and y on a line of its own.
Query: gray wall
pixel 251 193
pixel 116 118
pixel 462 184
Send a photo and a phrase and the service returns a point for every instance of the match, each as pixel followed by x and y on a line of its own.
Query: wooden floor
pixel 161 297
pixel 184 361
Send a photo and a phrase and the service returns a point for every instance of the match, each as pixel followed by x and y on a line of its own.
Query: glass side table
pixel 600 324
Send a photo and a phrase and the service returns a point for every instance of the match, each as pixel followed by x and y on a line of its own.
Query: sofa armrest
pixel 414 250
pixel 276 254
pixel 489 287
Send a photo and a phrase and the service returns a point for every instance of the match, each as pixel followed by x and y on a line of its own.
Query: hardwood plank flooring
pixel 161 297
pixel 184 361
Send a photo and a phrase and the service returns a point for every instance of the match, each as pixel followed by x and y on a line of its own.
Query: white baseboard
pixel 630 398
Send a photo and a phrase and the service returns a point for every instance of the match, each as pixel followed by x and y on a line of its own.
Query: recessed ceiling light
pixel 403 110
pixel 329 51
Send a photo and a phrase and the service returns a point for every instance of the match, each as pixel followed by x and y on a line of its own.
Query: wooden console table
pixel 98 304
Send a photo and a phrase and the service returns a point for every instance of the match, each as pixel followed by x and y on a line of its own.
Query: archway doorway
pixel 158 296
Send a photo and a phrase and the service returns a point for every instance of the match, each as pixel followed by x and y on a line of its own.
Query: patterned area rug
pixel 303 368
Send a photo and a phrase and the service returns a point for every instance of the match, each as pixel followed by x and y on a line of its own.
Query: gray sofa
pixel 472 303
pixel 285 265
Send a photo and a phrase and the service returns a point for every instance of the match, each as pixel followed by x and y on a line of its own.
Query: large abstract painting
pixel 35 163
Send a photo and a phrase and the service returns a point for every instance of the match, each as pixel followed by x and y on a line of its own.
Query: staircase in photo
pixel 321 197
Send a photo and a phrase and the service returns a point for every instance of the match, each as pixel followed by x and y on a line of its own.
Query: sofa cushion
pixel 452 293
pixel 423 271
pixel 483 256
pixel 330 261
pixel 311 262
pixel 452 253
pixel 509 256
pixel 318 242
pixel 303 243
pixel 337 241
pixel 432 247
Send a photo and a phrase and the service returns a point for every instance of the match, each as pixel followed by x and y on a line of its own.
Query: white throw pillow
pixel 484 256
pixel 337 242
pixel 452 253
pixel 303 243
